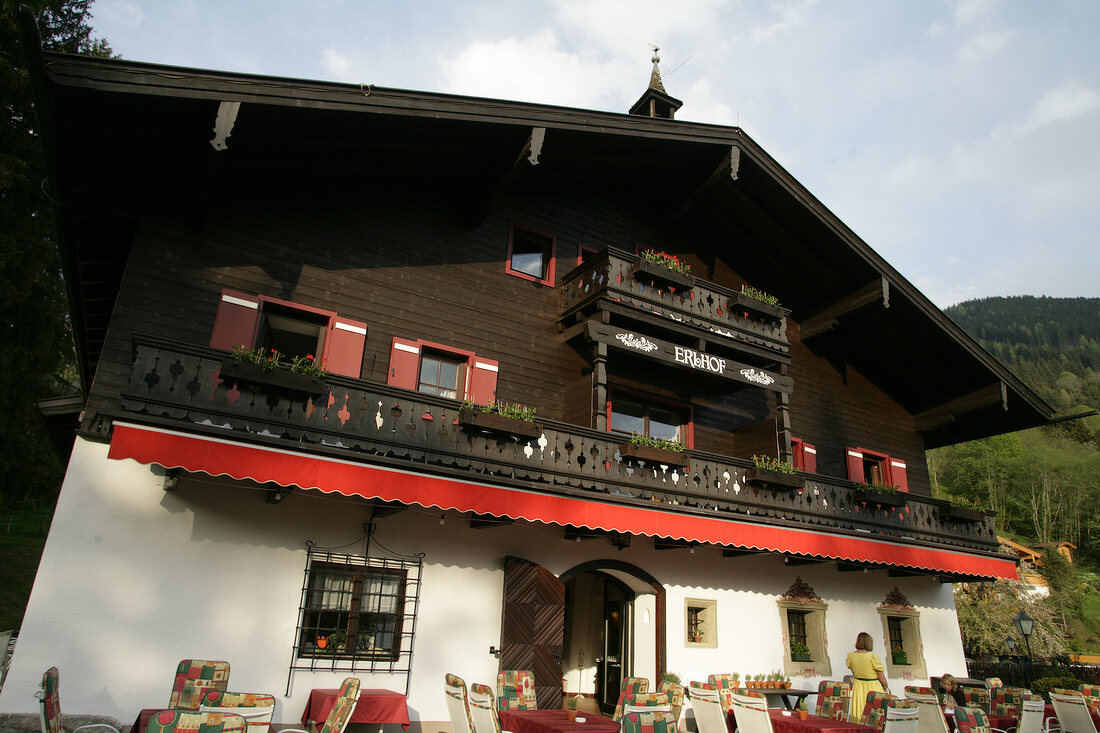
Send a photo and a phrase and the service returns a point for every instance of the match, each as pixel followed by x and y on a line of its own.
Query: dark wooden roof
pixel 122 137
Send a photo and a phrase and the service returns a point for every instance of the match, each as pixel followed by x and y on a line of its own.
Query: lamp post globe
pixel 1025 625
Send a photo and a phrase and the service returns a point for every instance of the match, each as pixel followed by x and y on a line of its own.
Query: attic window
pixel 530 255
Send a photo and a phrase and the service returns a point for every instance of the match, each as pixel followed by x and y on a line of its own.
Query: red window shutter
pixel 404 364
pixel 235 323
pixel 481 383
pixel 796 453
pixel 344 347
pixel 809 458
pixel 855 464
pixel 898 476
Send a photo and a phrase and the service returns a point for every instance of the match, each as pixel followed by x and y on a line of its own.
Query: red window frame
pixel 685 407
pixel 479 386
pixel 239 316
pixel 551 253
pixel 582 250
pixel 894 470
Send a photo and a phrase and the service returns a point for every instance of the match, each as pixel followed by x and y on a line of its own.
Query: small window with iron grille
pixel 897 641
pixel 358 613
pixel 796 631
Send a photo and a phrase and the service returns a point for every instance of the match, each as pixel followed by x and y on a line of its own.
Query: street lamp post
pixel 1011 644
pixel 1025 625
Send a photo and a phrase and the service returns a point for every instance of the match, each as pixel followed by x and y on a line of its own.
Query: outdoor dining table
pixel 785 721
pixel 375 707
pixel 554 721
pixel 789 698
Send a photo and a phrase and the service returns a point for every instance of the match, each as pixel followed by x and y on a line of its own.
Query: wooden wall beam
pixel 823 320
pixel 945 413
pixel 728 167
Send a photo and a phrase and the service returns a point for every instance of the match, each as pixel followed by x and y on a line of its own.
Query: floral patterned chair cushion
pixel 186 721
pixel 1005 700
pixel 630 684
pixel 874 713
pixel 833 706
pixel 255 708
pixel 193 678
pixel 659 722
pixel 350 688
pixel 971 720
pixel 919 690
pixel 1092 696
pixel 977 697
pixel 516 690
pixel 340 715
pixel 49 697
pixel 632 701
pixel 831 689
pixel 724 683
pixel 675 694
pixel 992 682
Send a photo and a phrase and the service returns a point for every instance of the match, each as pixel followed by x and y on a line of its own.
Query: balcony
pixel 724 317
pixel 180 386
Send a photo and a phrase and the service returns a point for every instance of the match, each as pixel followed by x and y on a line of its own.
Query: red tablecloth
pixel 812 724
pixel 554 721
pixel 374 706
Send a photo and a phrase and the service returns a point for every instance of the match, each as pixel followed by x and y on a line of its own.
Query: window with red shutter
pixel 879 469
pixel 805 455
pixel 443 370
pixel 531 254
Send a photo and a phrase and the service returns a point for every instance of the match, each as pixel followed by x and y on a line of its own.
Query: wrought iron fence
pixel 1023 674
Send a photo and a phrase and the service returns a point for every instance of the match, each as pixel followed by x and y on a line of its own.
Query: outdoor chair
pixel 750 699
pixel 1005 701
pixel 834 707
pixel 516 690
pixel 931 719
pixel 902 719
pixel 829 692
pixel 458 704
pixel 193 678
pixel 483 711
pixel 1092 696
pixel 710 716
pixel 49 701
pixel 630 684
pixel 651 722
pixel 1032 712
pixel 751 713
pixel 256 709
pixel 189 721
pixel 991 682
pixel 1072 711
pixel 675 694
pixel 874 712
pixel 646 702
pixel 342 710
pixel 972 720
pixel 725 685
pixel 976 697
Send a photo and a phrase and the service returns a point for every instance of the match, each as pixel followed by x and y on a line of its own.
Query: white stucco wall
pixel 134 578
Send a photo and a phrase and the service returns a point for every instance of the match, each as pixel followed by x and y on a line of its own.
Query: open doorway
pixel 614 617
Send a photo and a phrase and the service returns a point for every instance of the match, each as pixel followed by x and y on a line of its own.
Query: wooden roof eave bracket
pixel 823 320
pixel 946 413
pixel 728 167
pixel 528 157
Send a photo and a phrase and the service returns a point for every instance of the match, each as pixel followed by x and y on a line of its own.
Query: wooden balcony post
pixel 599 386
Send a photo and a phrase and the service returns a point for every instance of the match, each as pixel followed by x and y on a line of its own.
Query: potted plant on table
pixel 736 677
pixel 801 710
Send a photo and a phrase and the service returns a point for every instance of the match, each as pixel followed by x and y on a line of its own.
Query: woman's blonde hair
pixel 949 678
pixel 864 642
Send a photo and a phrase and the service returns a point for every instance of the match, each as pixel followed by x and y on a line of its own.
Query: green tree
pixel 1067 593
pixel 986 611
pixel 36 352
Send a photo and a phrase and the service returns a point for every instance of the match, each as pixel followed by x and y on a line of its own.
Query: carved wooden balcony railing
pixel 180 385
pixel 726 315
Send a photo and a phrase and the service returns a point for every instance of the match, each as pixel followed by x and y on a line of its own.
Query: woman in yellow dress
pixel 868 674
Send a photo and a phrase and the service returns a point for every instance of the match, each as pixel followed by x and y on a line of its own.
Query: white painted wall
pixel 133 579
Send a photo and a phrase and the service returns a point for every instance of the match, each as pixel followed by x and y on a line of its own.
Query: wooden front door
pixel 532 632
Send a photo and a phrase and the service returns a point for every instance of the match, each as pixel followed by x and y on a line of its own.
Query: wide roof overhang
pixel 123 138
pixel 272 465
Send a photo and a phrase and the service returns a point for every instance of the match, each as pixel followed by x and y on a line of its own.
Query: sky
pixel 959 139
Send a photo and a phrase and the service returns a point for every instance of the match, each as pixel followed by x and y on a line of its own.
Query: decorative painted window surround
pixel 800 598
pixel 700 617
pixel 896 606
pixel 531 254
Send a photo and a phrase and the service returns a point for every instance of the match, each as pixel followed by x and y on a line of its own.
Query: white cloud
pixel 914 170
pixel 970 11
pixel 987 44
pixel 1065 102
pixel 338 64
pixel 792 15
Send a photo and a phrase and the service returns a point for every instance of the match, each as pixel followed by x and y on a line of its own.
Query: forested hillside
pixel 1044 483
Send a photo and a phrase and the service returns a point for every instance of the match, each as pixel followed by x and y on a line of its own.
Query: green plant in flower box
pixel 767 463
pixel 271 359
pixel 673 445
pixel 506 409
pixel 750 292
pixel 878 488
pixel 667 261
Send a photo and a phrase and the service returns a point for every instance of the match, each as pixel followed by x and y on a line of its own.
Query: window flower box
pixel 739 301
pixel 279 377
pixel 472 417
pixel 651 454
pixel 962 514
pixel 882 498
pixel 650 272
pixel 773 479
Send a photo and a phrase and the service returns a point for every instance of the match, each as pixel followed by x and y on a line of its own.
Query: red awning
pixel 220 457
